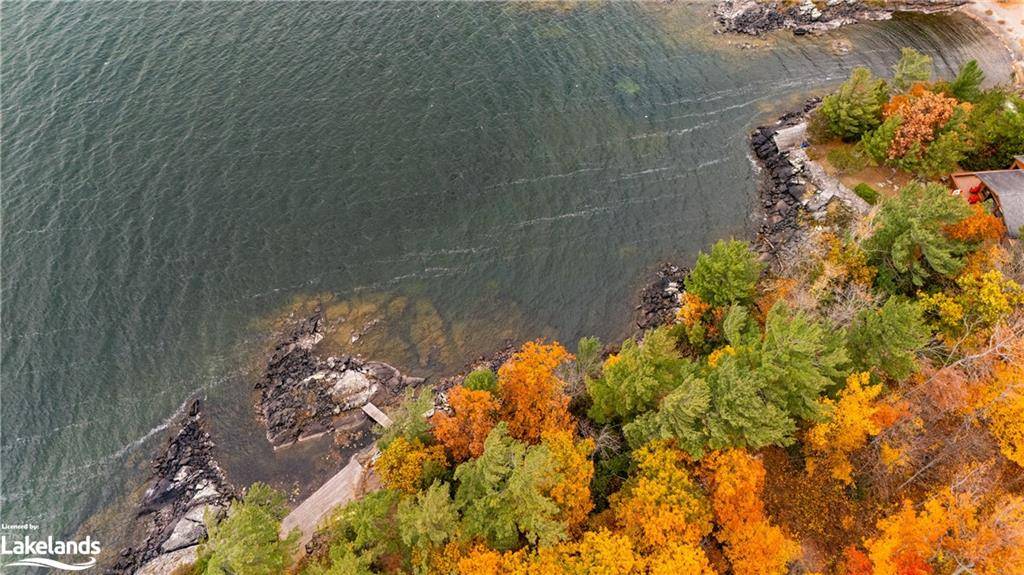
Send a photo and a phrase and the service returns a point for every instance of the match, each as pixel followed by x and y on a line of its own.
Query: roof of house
pixel 1008 187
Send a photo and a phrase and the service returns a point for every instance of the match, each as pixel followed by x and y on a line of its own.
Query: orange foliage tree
pixel 752 544
pixel 923 113
pixel 953 530
pixel 463 434
pixel 857 416
pixel 532 398
pixel 661 504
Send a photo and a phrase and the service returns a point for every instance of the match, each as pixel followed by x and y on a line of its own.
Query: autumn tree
pixel 752 544
pixel 409 465
pixel 909 246
pixel 968 313
pixel 635 379
pixel 475 413
pixel 503 494
pixel 887 339
pixel 661 504
pixel 854 418
pixel 572 464
pixel 856 107
pixel 532 397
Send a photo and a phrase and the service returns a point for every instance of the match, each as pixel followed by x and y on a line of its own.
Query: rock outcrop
pixel 302 395
pixel 755 17
pixel 187 487
pixel 660 299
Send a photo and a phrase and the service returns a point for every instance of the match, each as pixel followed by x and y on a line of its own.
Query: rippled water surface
pixel 173 172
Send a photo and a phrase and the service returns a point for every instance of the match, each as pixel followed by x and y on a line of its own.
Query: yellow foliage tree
pixel 661 504
pixel 855 417
pixel 573 464
pixel 404 464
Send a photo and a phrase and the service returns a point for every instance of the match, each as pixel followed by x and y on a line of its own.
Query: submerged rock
pixel 302 395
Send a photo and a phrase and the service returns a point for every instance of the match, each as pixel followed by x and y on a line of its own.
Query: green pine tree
pixel 501 494
pixel 856 107
pixel 911 68
pixel 246 540
pixel 638 378
pixel 726 275
pixel 887 339
pixel 909 246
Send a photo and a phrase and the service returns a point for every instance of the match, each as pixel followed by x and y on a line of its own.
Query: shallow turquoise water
pixel 172 171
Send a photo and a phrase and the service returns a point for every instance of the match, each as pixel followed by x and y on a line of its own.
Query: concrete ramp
pixel 338 491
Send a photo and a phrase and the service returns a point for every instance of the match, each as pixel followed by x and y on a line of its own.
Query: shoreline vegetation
pixel 846 395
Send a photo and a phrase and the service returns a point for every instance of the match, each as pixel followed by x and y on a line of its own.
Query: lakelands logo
pixel 38 549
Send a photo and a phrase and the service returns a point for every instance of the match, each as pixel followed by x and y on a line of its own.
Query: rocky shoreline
pixel 186 488
pixel 794 190
pixel 756 17
pixel 302 395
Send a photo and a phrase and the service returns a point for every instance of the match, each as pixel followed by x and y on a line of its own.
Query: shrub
pixel 410 419
pixel 847 159
pixel 727 275
pixel 481 379
pixel 866 193
pixel 856 107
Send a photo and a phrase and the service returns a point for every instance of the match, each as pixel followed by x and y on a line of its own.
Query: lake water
pixel 175 174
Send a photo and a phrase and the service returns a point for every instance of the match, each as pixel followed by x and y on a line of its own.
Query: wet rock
pixel 659 300
pixel 302 395
pixel 186 482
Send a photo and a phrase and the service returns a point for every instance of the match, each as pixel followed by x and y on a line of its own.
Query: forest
pixel 858 410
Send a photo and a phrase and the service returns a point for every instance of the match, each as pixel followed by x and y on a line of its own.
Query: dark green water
pixel 172 171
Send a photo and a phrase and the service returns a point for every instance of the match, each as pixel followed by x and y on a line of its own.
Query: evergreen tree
pixel 912 67
pixel 967 85
pixel 887 339
pixel 798 362
pixel 427 521
pixel 246 541
pixel 637 377
pixel 996 126
pixel 909 246
pixel 502 494
pixel 726 275
pixel 856 107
